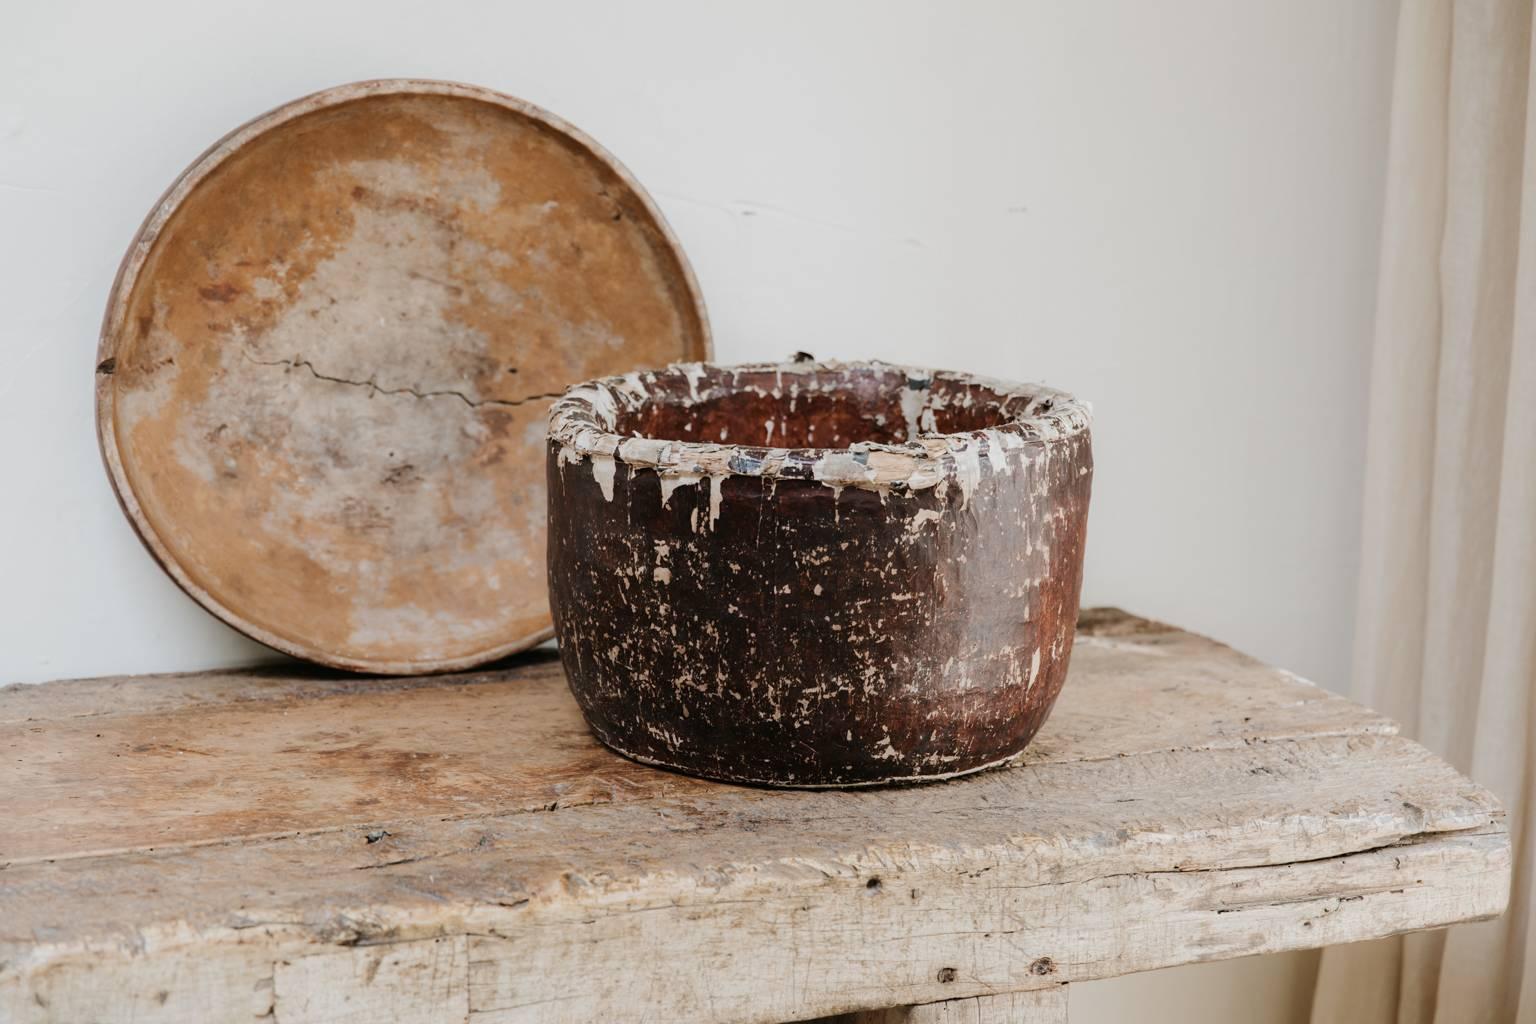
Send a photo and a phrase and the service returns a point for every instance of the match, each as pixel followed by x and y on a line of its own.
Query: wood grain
pixel 1047 1006
pixel 404 982
pixel 1184 803
pixel 168 760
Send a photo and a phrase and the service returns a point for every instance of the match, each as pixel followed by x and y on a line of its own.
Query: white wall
pixel 1170 208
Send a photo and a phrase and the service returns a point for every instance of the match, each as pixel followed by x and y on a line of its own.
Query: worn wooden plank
pixel 147 762
pixel 421 982
pixel 776 951
pixel 1254 813
pixel 204 988
pixel 1277 802
pixel 110 696
pixel 772 906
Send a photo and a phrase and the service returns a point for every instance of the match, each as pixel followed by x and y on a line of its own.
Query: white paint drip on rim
pixel 967 471
pixel 672 481
pixel 603 468
pixel 715 485
pixel 912 402
pixel 581 424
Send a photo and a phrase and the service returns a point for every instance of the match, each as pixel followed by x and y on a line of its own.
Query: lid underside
pixel 328 362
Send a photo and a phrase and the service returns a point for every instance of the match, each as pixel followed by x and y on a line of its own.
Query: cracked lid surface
pixel 329 355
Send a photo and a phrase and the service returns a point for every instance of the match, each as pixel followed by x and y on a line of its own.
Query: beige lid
pixel 330 352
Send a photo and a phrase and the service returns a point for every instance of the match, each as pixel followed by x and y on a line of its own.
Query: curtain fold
pixel 1446 613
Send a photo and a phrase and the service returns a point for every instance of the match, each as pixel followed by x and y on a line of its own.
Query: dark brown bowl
pixel 888 597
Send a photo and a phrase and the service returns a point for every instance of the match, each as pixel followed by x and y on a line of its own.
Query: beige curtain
pixel 1446 631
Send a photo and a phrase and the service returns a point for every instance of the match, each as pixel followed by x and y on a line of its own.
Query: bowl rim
pixel 582 421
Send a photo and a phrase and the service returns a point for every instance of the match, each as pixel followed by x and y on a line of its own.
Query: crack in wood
pixel 375 388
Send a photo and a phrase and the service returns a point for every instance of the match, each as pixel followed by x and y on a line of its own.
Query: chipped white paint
pixel 924 515
pixel 695 373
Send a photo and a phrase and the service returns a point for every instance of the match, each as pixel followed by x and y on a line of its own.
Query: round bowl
pixel 816 574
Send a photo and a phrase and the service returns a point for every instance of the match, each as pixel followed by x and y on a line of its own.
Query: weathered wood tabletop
pixel 301 847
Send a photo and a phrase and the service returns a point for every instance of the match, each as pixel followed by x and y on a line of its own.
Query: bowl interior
pixel 817 406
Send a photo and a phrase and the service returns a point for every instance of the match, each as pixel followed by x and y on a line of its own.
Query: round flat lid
pixel 328 359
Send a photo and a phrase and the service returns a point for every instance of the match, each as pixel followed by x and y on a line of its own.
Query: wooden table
pixel 298 846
